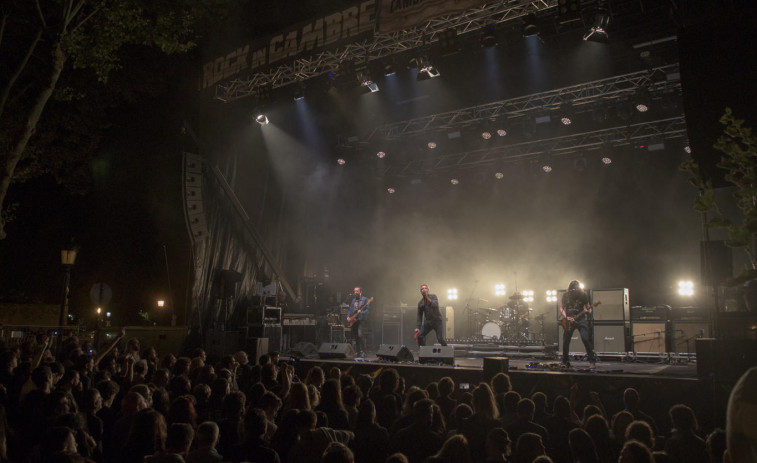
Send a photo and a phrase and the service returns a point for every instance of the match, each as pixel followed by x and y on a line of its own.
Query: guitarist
pixel 428 308
pixel 359 308
pixel 576 310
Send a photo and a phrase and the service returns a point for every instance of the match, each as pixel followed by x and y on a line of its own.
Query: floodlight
pixel 501 132
pixel 529 25
pixel 546 168
pixel 685 288
pixel 499 289
pixel 431 145
pixel 341 161
pixel 452 294
pixel 606 161
pixel 486 135
pixel 598 30
pixel 528 295
pixel 381 155
pixel 499 175
pixel 454 181
pixel 391 190
pixel 261 119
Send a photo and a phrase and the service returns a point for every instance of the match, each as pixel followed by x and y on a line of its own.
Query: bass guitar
pixel 568 324
pixel 353 318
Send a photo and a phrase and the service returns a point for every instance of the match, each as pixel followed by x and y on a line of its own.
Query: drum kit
pixel 509 322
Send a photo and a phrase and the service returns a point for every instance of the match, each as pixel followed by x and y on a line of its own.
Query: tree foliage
pixel 739 161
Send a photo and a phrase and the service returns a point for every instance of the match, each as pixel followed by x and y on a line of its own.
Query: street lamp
pixel 67 259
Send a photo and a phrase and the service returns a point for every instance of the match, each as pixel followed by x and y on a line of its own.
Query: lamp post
pixel 67 259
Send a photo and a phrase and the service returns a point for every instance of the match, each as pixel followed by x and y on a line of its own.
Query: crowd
pixel 131 405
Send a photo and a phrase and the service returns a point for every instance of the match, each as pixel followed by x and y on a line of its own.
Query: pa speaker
pixel 437 354
pixel 394 353
pixel 304 350
pixel 716 262
pixel 494 365
pixel 336 350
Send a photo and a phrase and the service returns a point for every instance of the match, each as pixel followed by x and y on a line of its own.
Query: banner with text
pixel 396 15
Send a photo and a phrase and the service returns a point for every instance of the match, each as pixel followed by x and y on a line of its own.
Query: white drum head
pixel 491 331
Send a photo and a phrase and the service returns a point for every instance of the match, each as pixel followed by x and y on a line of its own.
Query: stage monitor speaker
pixel 437 354
pixel 255 348
pixel 614 307
pixel 684 335
pixel 303 350
pixel 725 359
pixel 648 337
pixel 335 350
pixel 715 262
pixel 394 353
pixel 607 339
pixel 494 365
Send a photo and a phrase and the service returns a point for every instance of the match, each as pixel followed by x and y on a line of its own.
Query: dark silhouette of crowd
pixel 132 405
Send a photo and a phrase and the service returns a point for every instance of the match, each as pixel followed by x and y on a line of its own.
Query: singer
pixel 428 308
pixel 359 308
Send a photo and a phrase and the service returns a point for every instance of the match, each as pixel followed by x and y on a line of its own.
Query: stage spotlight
pixel 687 149
pixel 499 289
pixel 365 80
pixel 426 69
pixel 454 181
pixel 546 168
pixel 567 114
pixel 529 25
pixel 551 295
pixel 452 294
pixel 528 295
pixel 380 155
pixel 685 288
pixel 431 145
pixel 606 161
pixel 598 30
pixel 642 101
pixel 261 119
pixel 488 38
pixel 486 135
pixel 299 92
pixel 566 120
pixel 389 70
pixel 341 161
pixel 501 132
pixel 391 190
pixel 499 175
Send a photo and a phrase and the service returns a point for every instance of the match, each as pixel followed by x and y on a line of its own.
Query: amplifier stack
pixel 611 323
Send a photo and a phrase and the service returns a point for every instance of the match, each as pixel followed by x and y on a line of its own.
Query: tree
pixel 40 40
pixel 739 161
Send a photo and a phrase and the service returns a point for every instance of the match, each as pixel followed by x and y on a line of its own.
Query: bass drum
pixel 491 330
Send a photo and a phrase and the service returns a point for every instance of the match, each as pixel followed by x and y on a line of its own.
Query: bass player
pixel 576 310
pixel 359 308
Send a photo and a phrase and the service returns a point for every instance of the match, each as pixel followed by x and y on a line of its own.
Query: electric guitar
pixel 567 323
pixel 353 318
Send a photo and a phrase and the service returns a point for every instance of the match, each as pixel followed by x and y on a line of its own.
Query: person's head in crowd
pixel 199 352
pixel 446 387
pixel 241 357
pixel 132 403
pixel 226 374
pixel 432 389
pixel 631 398
pixel 168 361
pixel 306 421
pixel 389 381
pixel 160 378
pixel 256 373
pixel 483 402
pixel 396 458
pixel 540 402
pixel 315 377
pixel 108 363
pixel 270 404
pixel 455 449
pixel 207 434
pixel 715 445
pixel 219 389
pixel 202 393
pixel 598 429
pixel 561 407
pixel 351 396
pixel 161 401
pixel 510 402
pixel 542 459
pixel 179 438
pixel 181 366
pixel 501 383
pixel 85 364
pixel 42 378
pixel 438 423
pixel 525 409
pixel 91 401
pixel 589 411
pixel 132 346
pixel 8 361
pixel 70 381
pixel 366 413
pixel 321 419
pixel 298 397
pixel 460 413
pixel 528 447
pixel 620 422
pixel 228 362
pixel 335 373
pixel 56 368
pixel 255 392
pixel 275 357
pixel 641 431
pixel 682 418
pixel 269 373
pixel 147 434
pixel 635 452
pixel 336 452
pixel 58 403
pixel 108 390
pixel 182 410
pixel 662 457
pixel 234 405
pixel 497 445
pixel 582 446
pixel 195 365
pixel 255 424
pixel 264 359
pixel 413 396
pixel 331 395
pixel 402 386
pixel 140 368
pixel 143 390
pixel 365 383
pixel 423 413
pixel 315 396
pixel 150 355
pixel 466 398
pixel 57 440
pixel 205 375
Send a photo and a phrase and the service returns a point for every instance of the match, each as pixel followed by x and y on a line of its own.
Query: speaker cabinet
pixel 716 262
pixel 725 359
pixel 684 335
pixel 648 337
pixel 607 339
pixel 336 351
pixel 272 332
pixel 494 365
pixel 255 348
pixel 437 354
pixel 394 353
pixel 304 350
pixel 615 306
